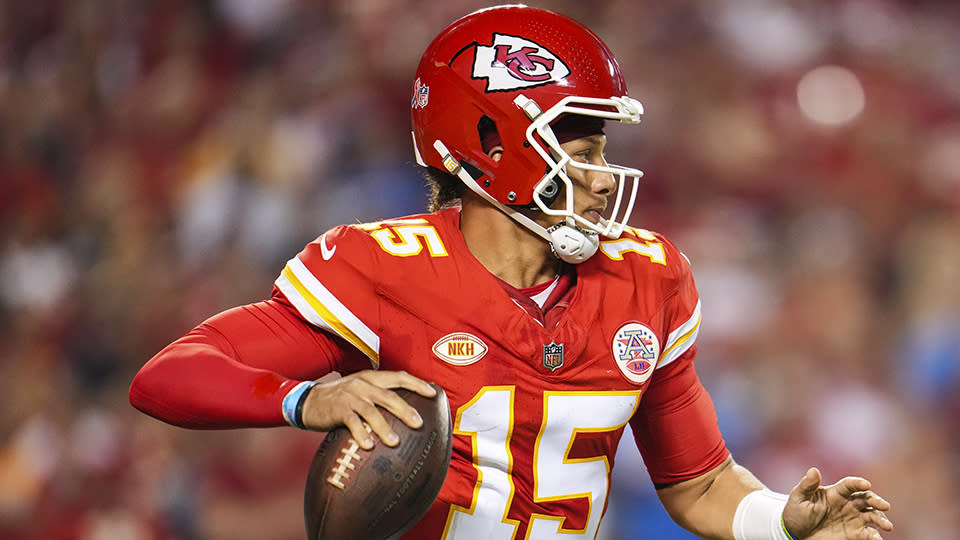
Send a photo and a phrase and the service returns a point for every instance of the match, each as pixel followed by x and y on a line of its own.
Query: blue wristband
pixel 293 403
pixel 783 524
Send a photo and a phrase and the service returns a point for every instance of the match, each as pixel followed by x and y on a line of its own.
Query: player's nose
pixel 603 183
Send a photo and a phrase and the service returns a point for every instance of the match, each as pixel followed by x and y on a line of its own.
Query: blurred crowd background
pixel 160 160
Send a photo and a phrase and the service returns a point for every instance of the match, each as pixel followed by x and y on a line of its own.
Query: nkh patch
pixel 553 356
pixel 636 350
pixel 460 348
pixel 513 62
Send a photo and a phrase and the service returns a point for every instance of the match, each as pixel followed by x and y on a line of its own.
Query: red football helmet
pixel 520 69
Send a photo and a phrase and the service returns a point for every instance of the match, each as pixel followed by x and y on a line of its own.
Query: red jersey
pixel 539 403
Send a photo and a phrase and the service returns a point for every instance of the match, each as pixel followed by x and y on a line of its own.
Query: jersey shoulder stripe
pixel 681 339
pixel 321 308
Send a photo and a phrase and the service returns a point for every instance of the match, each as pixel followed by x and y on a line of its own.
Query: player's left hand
pixel 847 510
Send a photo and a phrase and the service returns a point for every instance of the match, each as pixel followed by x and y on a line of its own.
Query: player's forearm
pixel 235 369
pixel 195 384
pixel 706 505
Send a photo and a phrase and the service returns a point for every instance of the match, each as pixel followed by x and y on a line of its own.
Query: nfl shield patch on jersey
pixel 553 356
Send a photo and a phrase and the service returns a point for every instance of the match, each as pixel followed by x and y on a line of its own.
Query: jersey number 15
pixel 488 420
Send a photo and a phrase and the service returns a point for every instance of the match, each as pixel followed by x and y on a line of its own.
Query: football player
pixel 552 325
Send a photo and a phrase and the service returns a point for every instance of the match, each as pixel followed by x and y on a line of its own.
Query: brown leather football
pixel 357 494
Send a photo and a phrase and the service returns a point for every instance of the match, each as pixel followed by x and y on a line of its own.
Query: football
pixel 357 494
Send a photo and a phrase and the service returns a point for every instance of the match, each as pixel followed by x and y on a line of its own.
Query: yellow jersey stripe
pixel 328 313
pixel 681 339
pixel 676 350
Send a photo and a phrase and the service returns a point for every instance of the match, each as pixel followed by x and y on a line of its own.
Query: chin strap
pixel 570 243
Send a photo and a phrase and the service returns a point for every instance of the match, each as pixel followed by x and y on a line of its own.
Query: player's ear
pixel 489 138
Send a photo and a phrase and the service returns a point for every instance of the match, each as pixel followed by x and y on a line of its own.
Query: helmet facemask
pixel 575 238
pixel 543 139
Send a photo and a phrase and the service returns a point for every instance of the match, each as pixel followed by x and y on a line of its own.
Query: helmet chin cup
pixel 572 244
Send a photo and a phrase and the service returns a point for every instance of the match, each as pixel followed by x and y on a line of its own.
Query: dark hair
pixel 445 188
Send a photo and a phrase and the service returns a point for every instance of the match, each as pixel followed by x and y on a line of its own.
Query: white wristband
pixel 760 517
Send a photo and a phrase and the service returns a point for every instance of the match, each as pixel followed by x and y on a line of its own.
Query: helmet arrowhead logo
pixel 513 62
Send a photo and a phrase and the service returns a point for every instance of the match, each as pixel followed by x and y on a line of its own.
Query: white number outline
pixel 458 518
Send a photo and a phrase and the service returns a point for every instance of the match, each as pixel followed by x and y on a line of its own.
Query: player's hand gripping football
pixel 352 401
pixel 847 510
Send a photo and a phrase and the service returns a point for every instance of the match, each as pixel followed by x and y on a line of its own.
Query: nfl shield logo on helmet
pixel 513 62
pixel 636 350
pixel 553 356
pixel 421 95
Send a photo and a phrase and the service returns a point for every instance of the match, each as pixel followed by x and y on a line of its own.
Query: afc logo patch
pixel 513 62
pixel 636 350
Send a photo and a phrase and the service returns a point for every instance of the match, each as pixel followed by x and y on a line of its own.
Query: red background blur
pixel 159 161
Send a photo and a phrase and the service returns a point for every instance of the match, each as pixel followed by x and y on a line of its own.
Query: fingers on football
pixel 401 379
pixel 389 400
pixel 374 418
pixel 374 392
pixel 358 430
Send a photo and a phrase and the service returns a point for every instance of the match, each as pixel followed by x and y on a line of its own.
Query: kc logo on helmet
pixel 513 62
